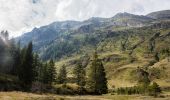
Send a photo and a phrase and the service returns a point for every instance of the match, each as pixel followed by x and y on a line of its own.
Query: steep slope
pixel 50 36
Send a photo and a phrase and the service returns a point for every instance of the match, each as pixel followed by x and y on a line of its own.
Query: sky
pixel 20 16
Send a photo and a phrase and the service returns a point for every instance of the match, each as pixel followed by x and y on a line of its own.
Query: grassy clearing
pixel 30 96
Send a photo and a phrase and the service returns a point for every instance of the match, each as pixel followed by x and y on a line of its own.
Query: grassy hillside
pixel 131 47
pixel 123 51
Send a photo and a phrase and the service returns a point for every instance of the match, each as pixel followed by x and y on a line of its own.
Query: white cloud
pixel 19 16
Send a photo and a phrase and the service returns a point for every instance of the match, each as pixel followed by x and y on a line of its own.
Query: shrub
pixel 152 90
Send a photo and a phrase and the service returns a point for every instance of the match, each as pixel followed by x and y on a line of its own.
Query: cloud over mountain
pixel 19 16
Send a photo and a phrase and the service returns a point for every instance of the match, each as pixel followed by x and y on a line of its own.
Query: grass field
pixel 30 96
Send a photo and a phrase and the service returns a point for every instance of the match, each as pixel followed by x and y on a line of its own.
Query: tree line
pixel 23 63
pixel 29 68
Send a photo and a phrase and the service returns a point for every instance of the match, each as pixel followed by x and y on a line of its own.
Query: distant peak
pixel 94 18
pixel 123 14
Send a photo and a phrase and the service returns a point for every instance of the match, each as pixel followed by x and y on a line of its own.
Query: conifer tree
pixel 51 71
pixel 97 81
pixel 80 73
pixel 15 62
pixel 36 66
pixel 26 69
pixel 41 73
pixel 62 76
pixel 45 77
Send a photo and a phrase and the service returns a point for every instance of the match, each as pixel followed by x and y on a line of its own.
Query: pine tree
pixel 80 73
pixel 41 73
pixel 36 66
pixel 97 81
pixel 62 76
pixel 2 50
pixel 102 81
pixel 51 71
pixel 26 74
pixel 45 74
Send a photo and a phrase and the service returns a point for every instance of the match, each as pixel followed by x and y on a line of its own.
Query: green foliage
pixel 51 71
pixel 26 73
pixel 154 89
pixel 142 76
pixel 155 73
pixel 46 73
pixel 59 49
pixel 97 82
pixel 143 86
pixel 36 65
pixel 62 76
pixel 43 75
pixel 164 52
pixel 80 73
pixel 15 52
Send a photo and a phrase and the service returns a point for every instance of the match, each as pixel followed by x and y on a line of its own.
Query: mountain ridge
pixel 57 31
pixel 164 14
pixel 124 43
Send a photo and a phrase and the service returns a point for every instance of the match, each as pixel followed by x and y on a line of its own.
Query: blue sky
pixel 19 16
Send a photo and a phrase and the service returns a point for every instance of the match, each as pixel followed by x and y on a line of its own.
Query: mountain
pixel 50 38
pixel 165 14
pixel 45 34
pixel 127 19
pixel 124 43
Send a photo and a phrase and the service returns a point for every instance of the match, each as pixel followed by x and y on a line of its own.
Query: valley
pixel 133 52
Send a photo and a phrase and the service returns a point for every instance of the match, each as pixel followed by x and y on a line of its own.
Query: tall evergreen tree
pixel 36 66
pixel 51 71
pixel 97 81
pixel 80 73
pixel 2 53
pixel 26 73
pixel 15 56
pixel 41 72
pixel 45 74
pixel 62 76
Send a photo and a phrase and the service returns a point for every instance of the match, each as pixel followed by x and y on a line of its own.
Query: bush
pixel 152 90
pixel 155 73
